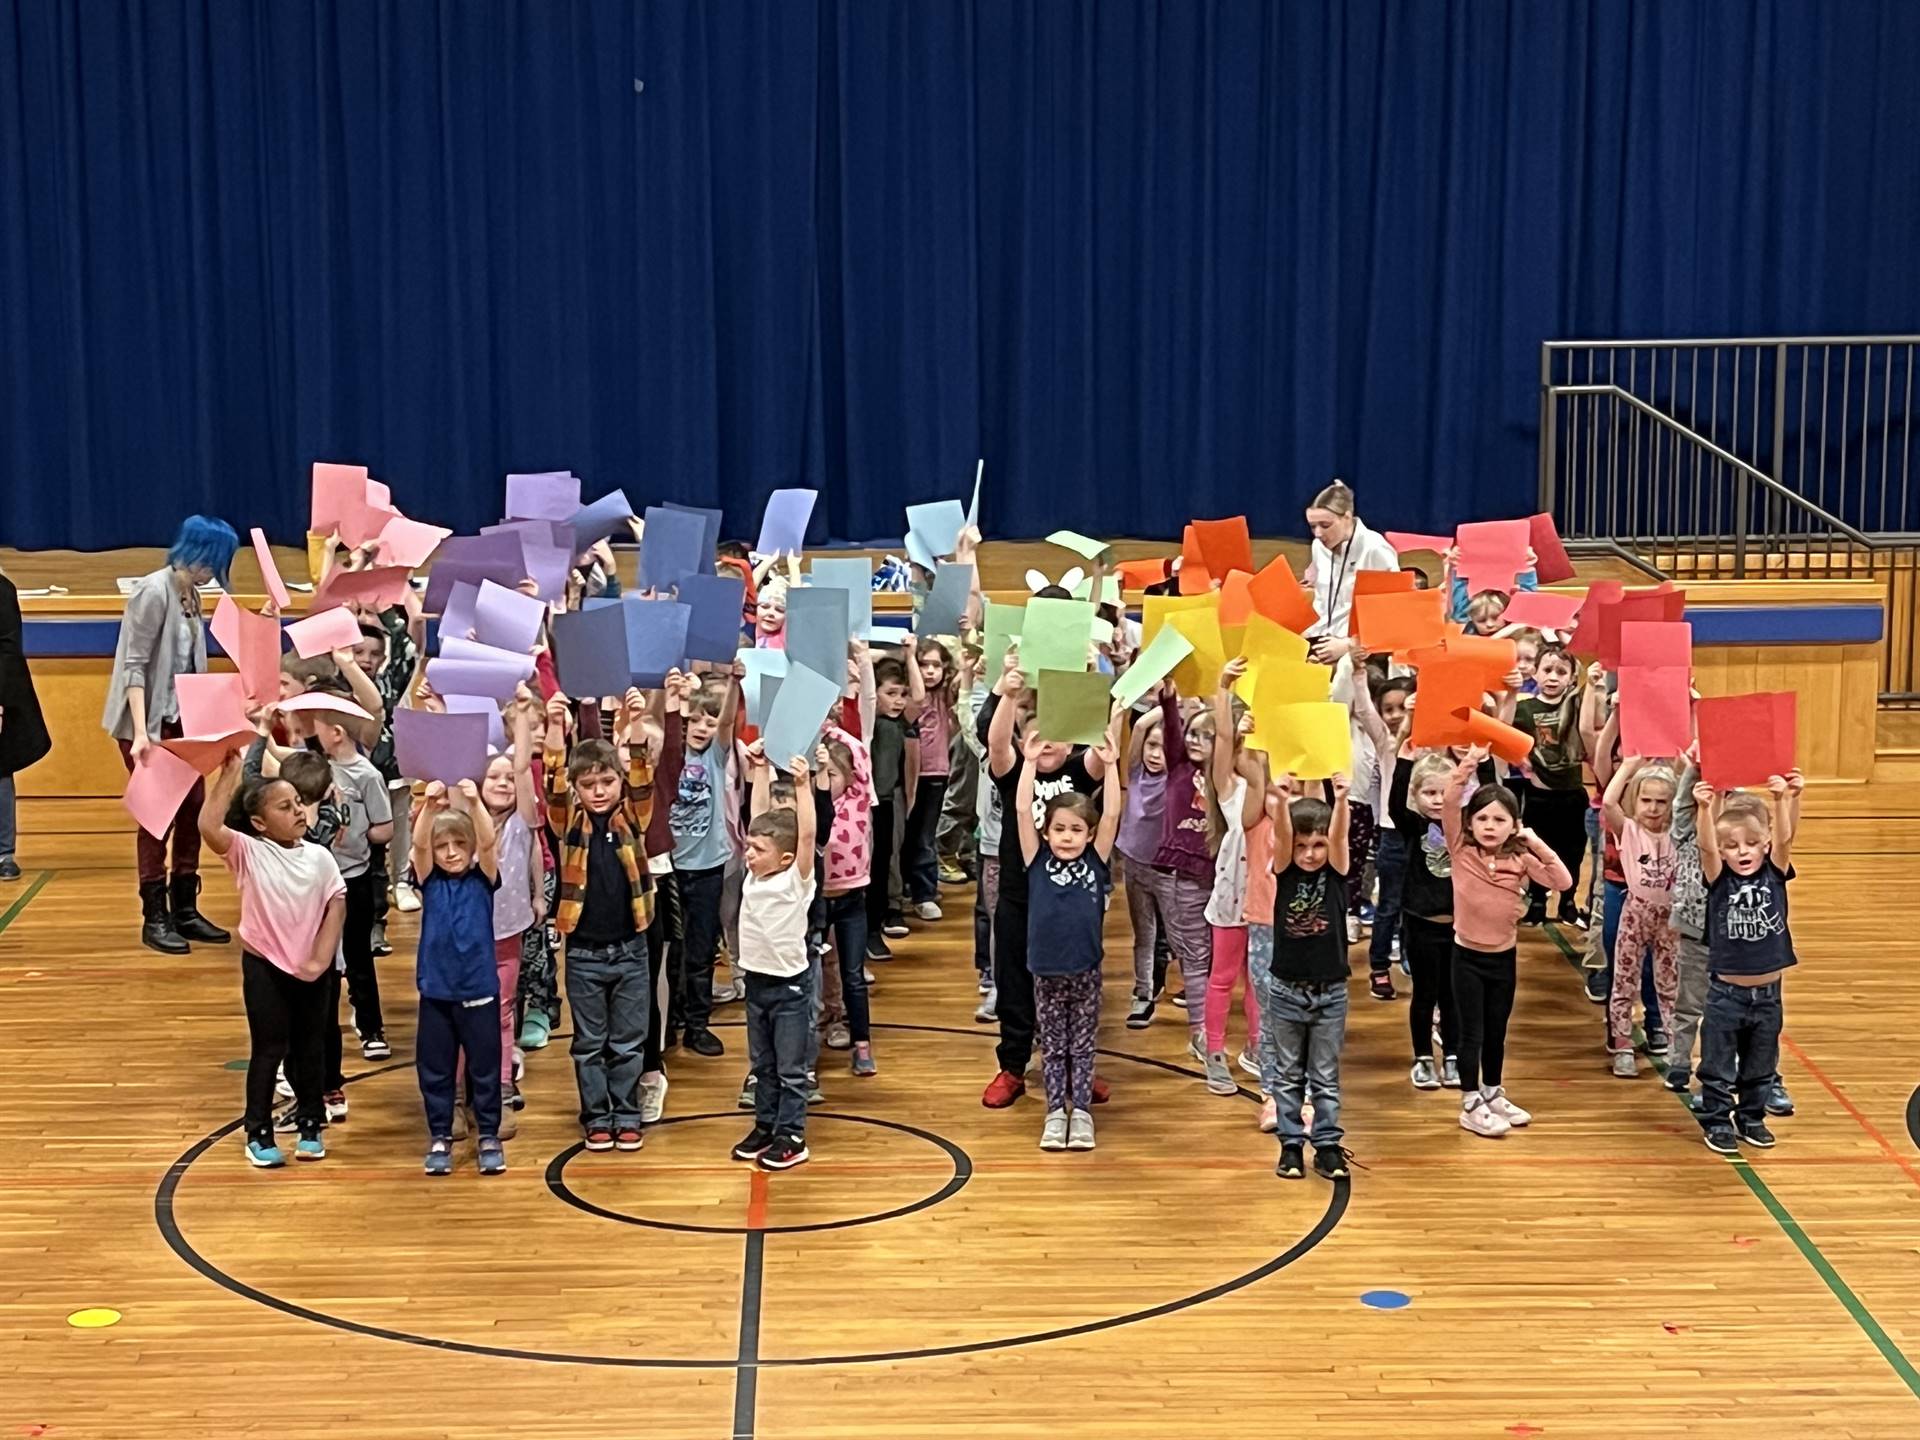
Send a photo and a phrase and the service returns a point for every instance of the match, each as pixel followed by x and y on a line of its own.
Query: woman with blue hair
pixel 162 636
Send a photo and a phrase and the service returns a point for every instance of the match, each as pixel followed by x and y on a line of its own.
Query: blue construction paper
pixel 938 524
pixel 817 629
pixel 783 528
pixel 711 540
pixel 793 721
pixel 765 670
pixel 855 576
pixel 606 516
pixel 656 639
pixel 714 603
pixel 946 603
pixel 590 651
pixel 670 546
pixel 918 552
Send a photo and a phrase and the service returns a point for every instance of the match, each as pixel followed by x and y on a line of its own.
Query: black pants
pixel 846 915
pixel 1013 982
pixel 1483 991
pixel 356 946
pixel 330 1056
pixel 448 1027
pixel 664 942
pixel 884 852
pixel 1429 951
pixel 919 854
pixel 1559 817
pixel 382 879
pixel 285 1016
pixel 692 981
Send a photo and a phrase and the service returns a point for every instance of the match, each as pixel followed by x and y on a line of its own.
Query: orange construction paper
pixel 1406 620
pixel 1194 579
pixel 1491 658
pixel 1277 595
pixel 1236 599
pixel 1224 545
pixel 1138 574
pixel 1511 745
pixel 1384 582
pixel 1446 686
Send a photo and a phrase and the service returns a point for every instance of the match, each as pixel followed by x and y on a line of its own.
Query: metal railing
pixel 1743 458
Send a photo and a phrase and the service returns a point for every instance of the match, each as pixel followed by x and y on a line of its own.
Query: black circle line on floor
pixel 962 1172
pixel 165 1220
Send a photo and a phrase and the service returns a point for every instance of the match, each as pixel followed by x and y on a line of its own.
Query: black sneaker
pixel 1722 1141
pixel 1141 1015
pixel 878 949
pixel 288 1121
pixel 515 1100
pixel 896 927
pixel 1536 915
pixel 1570 916
pixel 705 1042
pixel 375 1047
pixel 757 1142
pixel 1678 1081
pixel 784 1154
pixel 1330 1161
pixel 1380 986
pixel 1779 1102
pixel 1596 986
pixel 1293 1162
pixel 1756 1133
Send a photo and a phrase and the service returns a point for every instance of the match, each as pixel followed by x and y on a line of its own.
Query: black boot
pixel 156 923
pixel 187 919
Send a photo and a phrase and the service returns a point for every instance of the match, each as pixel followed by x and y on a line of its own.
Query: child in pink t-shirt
pixel 292 907
pixel 844 1018
pixel 1642 831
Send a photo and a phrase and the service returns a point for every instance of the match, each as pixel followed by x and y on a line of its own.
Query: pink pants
pixel 1644 926
pixel 1229 964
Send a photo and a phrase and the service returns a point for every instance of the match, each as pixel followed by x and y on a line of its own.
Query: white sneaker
pixel 519 1064
pixel 1478 1117
pixel 406 899
pixel 1196 1049
pixel 988 1009
pixel 1423 1075
pixel 927 910
pixel 653 1099
pixel 281 1085
pixel 1247 1063
pixel 1506 1109
pixel 1269 1116
pixel 1625 1067
pixel 1450 1073
pixel 1053 1134
pixel 1080 1130
pixel 1353 929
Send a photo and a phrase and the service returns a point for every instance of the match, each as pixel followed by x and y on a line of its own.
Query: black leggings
pixel 285 1015
pixel 1483 993
pixel 1559 817
pixel 1429 949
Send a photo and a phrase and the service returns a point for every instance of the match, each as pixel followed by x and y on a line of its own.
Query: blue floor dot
pixel 1387 1299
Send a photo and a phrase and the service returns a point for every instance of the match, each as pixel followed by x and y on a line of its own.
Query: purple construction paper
pixel 590 651
pixel 473 558
pixel 548 548
pixel 496 679
pixel 606 516
pixel 447 748
pixel 670 546
pixel 656 639
pixel 480 705
pixel 455 649
pixel 711 539
pixel 457 620
pixel 549 495
pixel 783 528
pixel 714 603
pixel 507 618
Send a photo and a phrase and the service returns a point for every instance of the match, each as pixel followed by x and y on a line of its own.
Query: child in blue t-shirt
pixel 1747 863
pixel 1067 884
pixel 454 853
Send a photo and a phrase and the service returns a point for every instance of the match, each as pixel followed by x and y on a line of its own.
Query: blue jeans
pixel 1612 901
pixel 846 916
pixel 779 1035
pixel 1259 976
pixel 1305 1026
pixel 1390 865
pixel 609 991
pixel 1739 1049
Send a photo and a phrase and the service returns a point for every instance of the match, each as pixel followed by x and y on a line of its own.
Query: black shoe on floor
pixel 1757 1135
pixel 1380 986
pixel 878 949
pixel 1330 1161
pixel 188 922
pixel 156 921
pixel 784 1154
pixel 1293 1162
pixel 705 1042
pixel 1722 1141
pixel 757 1142
pixel 1536 915
pixel 9 869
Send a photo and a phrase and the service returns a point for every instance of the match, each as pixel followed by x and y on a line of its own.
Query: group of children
pixel 617 844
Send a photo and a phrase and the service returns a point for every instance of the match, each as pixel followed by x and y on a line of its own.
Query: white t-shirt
pixel 284 894
pixel 773 922
pixel 1227 905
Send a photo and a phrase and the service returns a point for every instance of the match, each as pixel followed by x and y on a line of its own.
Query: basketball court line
pixel 12 912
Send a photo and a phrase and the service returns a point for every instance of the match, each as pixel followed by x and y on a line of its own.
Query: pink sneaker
pixel 1476 1115
pixel 1506 1109
pixel 1269 1116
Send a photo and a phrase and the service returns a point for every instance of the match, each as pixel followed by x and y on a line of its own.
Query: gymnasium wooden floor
pixel 1601 1274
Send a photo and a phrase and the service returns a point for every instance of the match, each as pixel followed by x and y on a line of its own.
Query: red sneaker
pixel 1101 1090
pixel 599 1138
pixel 1003 1090
pixel 627 1138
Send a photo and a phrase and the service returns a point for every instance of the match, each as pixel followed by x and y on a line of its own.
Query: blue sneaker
pixel 265 1154
pixel 439 1157
pixel 1779 1102
pixel 310 1147
pixel 491 1156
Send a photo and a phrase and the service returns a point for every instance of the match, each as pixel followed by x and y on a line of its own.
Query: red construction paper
pixel 336 489
pixel 1585 640
pixel 1655 702
pixel 1550 563
pixel 156 787
pixel 269 572
pixel 1279 597
pixel 1542 609
pixel 1236 598
pixel 1744 739
pixel 1446 687
pixel 1492 553
pixel 1668 605
pixel 1409 620
pixel 1225 545
pixel 1384 582
pixel 1404 540
pixel 1502 739
pixel 252 642
pixel 1491 658
pixel 1655 643
pixel 1194 579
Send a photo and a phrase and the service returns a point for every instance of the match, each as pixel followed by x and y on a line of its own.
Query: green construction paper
pixel 1152 665
pixel 1082 545
pixel 1002 631
pixel 1109 590
pixel 1056 635
pixel 1074 707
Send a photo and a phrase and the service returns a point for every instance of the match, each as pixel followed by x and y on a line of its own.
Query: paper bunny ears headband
pixel 1036 581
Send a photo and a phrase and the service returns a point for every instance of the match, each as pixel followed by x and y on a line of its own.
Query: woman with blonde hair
pixel 1343 546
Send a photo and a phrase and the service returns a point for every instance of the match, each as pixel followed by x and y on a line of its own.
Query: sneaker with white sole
pixel 928 910
pixel 263 1154
pixel 1506 1109
pixel 1219 1078
pixel 1053 1134
pixel 988 1010
pixel 749 1088
pixel 1450 1072
pixel 282 1086
pixel 1139 1014
pixel 375 1047
pixel 1476 1115
pixel 406 899
pixel 985 982
pixel 1625 1067
pixel 896 928
pixel 1196 1048
pixel 838 1037
pixel 1269 1116
pixel 1247 1063
pixel 1080 1130
pixel 653 1099
pixel 335 1106
pixel 1424 1076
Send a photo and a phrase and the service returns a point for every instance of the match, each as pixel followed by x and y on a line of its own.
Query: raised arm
pixel 805 822
pixel 1023 805
pixel 863 659
pixel 1610 811
pixel 916 682
pixel 1455 798
pixel 1279 805
pixel 1786 814
pixel 1111 801
pixel 524 800
pixel 1338 853
pixel 486 844
pixel 1223 728
pixel 213 810
pixel 559 792
pixel 432 801
pixel 1601 756
pixel 1366 712
pixel 1001 757
pixel 759 781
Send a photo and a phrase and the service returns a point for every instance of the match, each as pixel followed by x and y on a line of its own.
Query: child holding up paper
pixel 703 847
pixel 1494 858
pixel 1186 849
pixel 1149 887
pixel 363 794
pixel 1637 809
pixel 932 687
pixel 1557 802
pixel 520 902
pixel 1240 780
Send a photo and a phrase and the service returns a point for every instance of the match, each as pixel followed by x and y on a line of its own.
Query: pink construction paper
pixel 408 543
pixel 1404 540
pixel 207 753
pixel 362 524
pixel 1542 609
pixel 213 704
pixel 269 572
pixel 159 782
pixel 380 587
pixel 319 700
pixel 321 634
pixel 252 642
pixel 336 489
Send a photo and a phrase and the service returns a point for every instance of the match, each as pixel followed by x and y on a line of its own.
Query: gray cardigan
pixel 147 652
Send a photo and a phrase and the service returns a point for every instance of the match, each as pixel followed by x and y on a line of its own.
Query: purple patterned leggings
pixel 1066 1024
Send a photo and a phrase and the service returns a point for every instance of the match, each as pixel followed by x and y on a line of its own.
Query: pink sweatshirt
pixel 1490 895
pixel 850 842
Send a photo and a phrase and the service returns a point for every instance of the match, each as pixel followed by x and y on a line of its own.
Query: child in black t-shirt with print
pixel 1303 1006
pixel 1747 863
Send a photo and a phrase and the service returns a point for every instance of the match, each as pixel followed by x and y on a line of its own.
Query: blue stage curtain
pixel 1151 259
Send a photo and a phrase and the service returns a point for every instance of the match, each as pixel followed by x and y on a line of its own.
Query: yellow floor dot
pixel 96 1317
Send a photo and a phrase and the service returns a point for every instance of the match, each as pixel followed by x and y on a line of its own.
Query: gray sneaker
pixel 1080 1130
pixel 1219 1078
pixel 988 1010
pixel 1625 1067
pixel 1424 1077
pixel 1450 1073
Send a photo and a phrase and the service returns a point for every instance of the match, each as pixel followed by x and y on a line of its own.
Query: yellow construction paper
pixel 1311 741
pixel 1199 673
